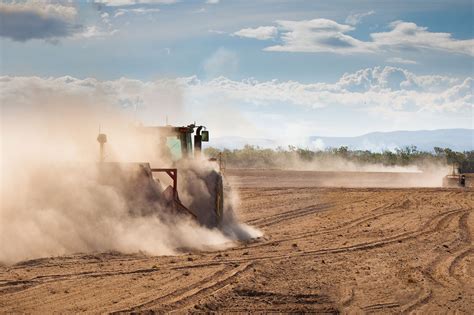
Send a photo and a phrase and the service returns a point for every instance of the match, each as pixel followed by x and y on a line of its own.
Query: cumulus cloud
pixel 385 96
pixel 408 36
pixel 35 20
pixel 356 18
pixel 323 35
pixel 261 32
pixel 318 35
pixel 50 21
pixel 387 89
pixel 212 1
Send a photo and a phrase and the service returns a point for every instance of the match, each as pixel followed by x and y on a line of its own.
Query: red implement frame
pixel 173 173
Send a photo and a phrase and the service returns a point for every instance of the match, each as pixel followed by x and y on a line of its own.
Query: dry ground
pixel 325 250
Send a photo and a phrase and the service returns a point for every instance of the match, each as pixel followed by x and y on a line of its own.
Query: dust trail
pixel 337 170
pixel 51 200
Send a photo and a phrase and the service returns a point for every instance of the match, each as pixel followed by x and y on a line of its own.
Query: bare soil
pixel 324 250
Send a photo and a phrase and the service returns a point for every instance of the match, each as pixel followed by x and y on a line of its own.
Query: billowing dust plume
pixel 347 173
pixel 334 171
pixel 51 201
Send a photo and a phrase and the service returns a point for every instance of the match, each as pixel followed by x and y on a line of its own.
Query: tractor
pixel 461 175
pixel 145 194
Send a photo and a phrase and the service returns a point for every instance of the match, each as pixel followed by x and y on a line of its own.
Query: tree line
pixel 254 156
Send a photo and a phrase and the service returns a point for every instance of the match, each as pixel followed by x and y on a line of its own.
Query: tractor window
pixel 189 143
pixel 174 145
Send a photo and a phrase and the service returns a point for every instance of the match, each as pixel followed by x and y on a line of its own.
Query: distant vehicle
pixel 461 176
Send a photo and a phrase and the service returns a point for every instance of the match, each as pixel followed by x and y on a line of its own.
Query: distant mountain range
pixel 425 140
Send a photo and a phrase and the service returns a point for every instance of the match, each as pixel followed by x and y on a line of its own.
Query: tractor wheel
pixel 219 199
pixel 207 191
pixel 215 186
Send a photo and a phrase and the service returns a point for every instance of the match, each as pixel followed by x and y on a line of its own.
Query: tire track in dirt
pixel 438 221
pixel 352 223
pixel 70 276
pixel 296 213
pixel 348 298
pixel 426 295
pixel 9 286
pixel 276 302
pixel 440 263
pixel 84 260
pixel 441 269
pixel 456 262
pixel 183 297
pixel 424 230
pixel 345 225
pixel 380 307
pixel 106 296
pixel 466 238
pixel 341 227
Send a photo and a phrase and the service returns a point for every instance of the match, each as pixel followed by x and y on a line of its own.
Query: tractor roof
pixel 167 130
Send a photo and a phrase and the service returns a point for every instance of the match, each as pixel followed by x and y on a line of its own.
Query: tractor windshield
pixel 174 145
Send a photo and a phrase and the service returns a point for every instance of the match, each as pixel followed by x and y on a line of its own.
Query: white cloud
pixel 36 20
pixel 261 33
pixel 116 3
pixel 405 36
pixel 356 18
pixel 323 35
pixel 212 1
pixel 389 87
pixel 392 95
pixel 402 61
pixel 318 35
pixel 50 21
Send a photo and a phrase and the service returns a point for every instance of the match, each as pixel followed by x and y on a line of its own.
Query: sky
pixel 257 69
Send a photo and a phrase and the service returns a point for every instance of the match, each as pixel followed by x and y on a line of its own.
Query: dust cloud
pixel 426 174
pixel 51 200
pixel 333 171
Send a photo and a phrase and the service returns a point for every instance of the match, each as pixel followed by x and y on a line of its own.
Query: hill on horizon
pixel 424 140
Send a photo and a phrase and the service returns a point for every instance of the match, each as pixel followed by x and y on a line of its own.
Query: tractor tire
pixel 206 189
pixel 215 187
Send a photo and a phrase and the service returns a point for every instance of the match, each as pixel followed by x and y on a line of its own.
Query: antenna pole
pixel 102 139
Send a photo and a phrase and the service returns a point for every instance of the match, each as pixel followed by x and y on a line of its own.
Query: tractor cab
pixel 180 142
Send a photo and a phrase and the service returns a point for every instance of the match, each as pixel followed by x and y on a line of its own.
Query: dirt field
pixel 328 250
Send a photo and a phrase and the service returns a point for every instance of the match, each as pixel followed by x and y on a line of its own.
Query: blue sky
pixel 333 68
